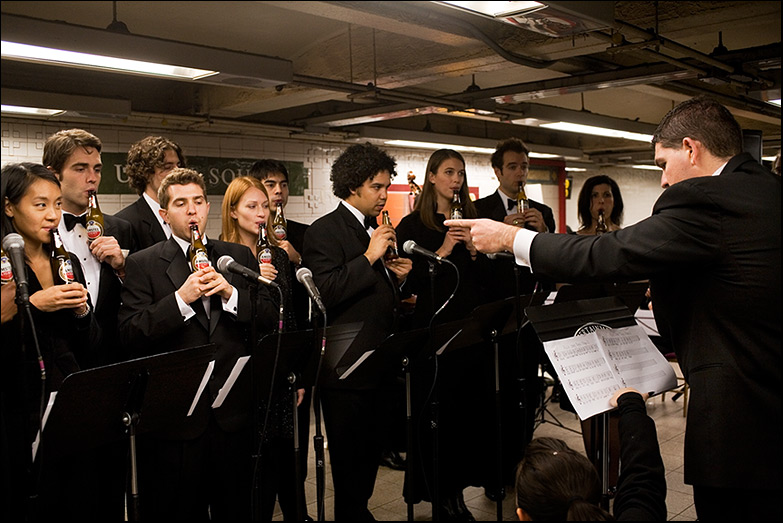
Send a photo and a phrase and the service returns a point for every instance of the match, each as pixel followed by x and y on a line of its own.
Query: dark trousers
pixel 354 421
pixel 730 504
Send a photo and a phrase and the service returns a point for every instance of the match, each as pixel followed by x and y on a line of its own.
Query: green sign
pixel 218 173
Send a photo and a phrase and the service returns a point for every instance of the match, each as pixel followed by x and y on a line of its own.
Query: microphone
pixel 13 245
pixel 411 247
pixel 226 264
pixel 305 277
pixel 501 256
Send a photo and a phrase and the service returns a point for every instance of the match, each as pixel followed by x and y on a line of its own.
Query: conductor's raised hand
pixel 488 235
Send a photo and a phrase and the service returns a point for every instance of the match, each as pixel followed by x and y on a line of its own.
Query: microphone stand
pixel 318 438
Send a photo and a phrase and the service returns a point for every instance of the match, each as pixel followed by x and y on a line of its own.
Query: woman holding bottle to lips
pixel 600 195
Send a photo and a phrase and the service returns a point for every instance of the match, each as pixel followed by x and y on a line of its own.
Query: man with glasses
pixel 149 161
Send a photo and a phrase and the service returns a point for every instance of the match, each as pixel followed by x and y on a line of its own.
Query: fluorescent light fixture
pixel 432 145
pixel 647 167
pixel 497 9
pixel 32 53
pixel 775 102
pixel 30 111
pixel 576 169
pixel 543 155
pixel 769 158
pixel 597 131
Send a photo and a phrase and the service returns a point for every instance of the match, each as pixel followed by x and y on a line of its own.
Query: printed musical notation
pixel 593 366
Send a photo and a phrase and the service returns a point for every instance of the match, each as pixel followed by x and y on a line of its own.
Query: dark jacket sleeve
pixel 641 488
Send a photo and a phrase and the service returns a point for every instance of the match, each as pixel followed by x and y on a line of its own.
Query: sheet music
pixel 49 406
pixel 443 347
pixel 226 388
pixel 201 386
pixel 593 366
pixel 356 364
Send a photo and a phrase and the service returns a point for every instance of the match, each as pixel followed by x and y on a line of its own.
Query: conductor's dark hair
pixel 556 483
pixel 263 168
pixel 509 144
pixel 583 204
pixel 703 119
pixel 15 180
pixel 357 164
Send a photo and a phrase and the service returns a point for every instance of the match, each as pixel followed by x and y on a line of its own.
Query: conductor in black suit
pixel 345 250
pixel 149 161
pixel 711 250
pixel 204 464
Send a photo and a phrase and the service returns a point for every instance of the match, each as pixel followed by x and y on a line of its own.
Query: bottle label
pixel 65 271
pixel 94 230
pixel 7 270
pixel 280 232
pixel 200 260
pixel 456 214
pixel 265 255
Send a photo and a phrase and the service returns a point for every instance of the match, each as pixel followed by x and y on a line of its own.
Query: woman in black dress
pixel 463 385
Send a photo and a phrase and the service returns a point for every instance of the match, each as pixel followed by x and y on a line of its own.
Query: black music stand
pixel 632 294
pixel 563 320
pixel 103 405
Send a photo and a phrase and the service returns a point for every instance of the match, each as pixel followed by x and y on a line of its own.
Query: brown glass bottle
pixel 522 202
pixel 199 259
pixel 94 219
pixel 601 227
pixel 391 253
pixel 262 246
pixel 279 223
pixel 455 211
pixel 62 268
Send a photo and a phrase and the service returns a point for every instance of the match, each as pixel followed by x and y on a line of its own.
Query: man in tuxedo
pixel 204 463
pixel 149 161
pixel 74 155
pixel 345 249
pixel 711 250
pixel 520 356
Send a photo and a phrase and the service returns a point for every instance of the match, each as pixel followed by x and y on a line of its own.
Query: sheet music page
pixel 201 386
pixel 49 405
pixel 356 364
pixel 443 347
pixel 593 366
pixel 226 388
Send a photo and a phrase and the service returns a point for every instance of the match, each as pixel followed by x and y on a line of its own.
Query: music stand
pixel 99 406
pixel 295 350
pixel 563 320
pixel 630 293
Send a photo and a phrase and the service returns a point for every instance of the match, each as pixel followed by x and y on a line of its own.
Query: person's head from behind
pixel 274 175
pixel 511 163
pixel 693 137
pixel 31 202
pixel 183 201
pixel 600 193
pixel 556 483
pixel 149 161
pixel 245 209
pixel 361 176
pixel 74 155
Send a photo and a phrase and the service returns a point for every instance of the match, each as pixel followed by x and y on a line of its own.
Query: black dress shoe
pixel 393 460
pixel 465 514
pixel 454 509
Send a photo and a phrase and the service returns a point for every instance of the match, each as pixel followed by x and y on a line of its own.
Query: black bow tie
pixel 511 204
pixel 71 220
pixel 370 221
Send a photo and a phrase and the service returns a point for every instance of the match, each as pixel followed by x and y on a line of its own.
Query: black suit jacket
pixel 296 234
pixel 146 227
pixel 711 250
pixel 352 290
pixel 503 284
pixel 151 323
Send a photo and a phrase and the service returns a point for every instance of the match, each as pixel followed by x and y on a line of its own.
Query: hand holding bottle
pixel 57 297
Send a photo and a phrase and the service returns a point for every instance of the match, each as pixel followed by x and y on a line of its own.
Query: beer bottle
pixel 262 246
pixel 94 219
pixel 601 227
pixel 62 268
pixel 391 253
pixel 199 259
pixel 456 207
pixel 279 224
pixel 522 203
pixel 7 274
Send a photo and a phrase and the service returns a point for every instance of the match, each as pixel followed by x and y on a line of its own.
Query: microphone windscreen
pixel 13 240
pixel 223 262
pixel 303 272
pixel 408 246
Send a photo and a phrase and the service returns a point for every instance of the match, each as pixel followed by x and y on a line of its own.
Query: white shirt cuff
pixel 230 305
pixel 522 242
pixel 184 309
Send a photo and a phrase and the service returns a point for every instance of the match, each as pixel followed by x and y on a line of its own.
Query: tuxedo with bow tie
pixel 147 230
pixel 151 323
pixel 353 290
